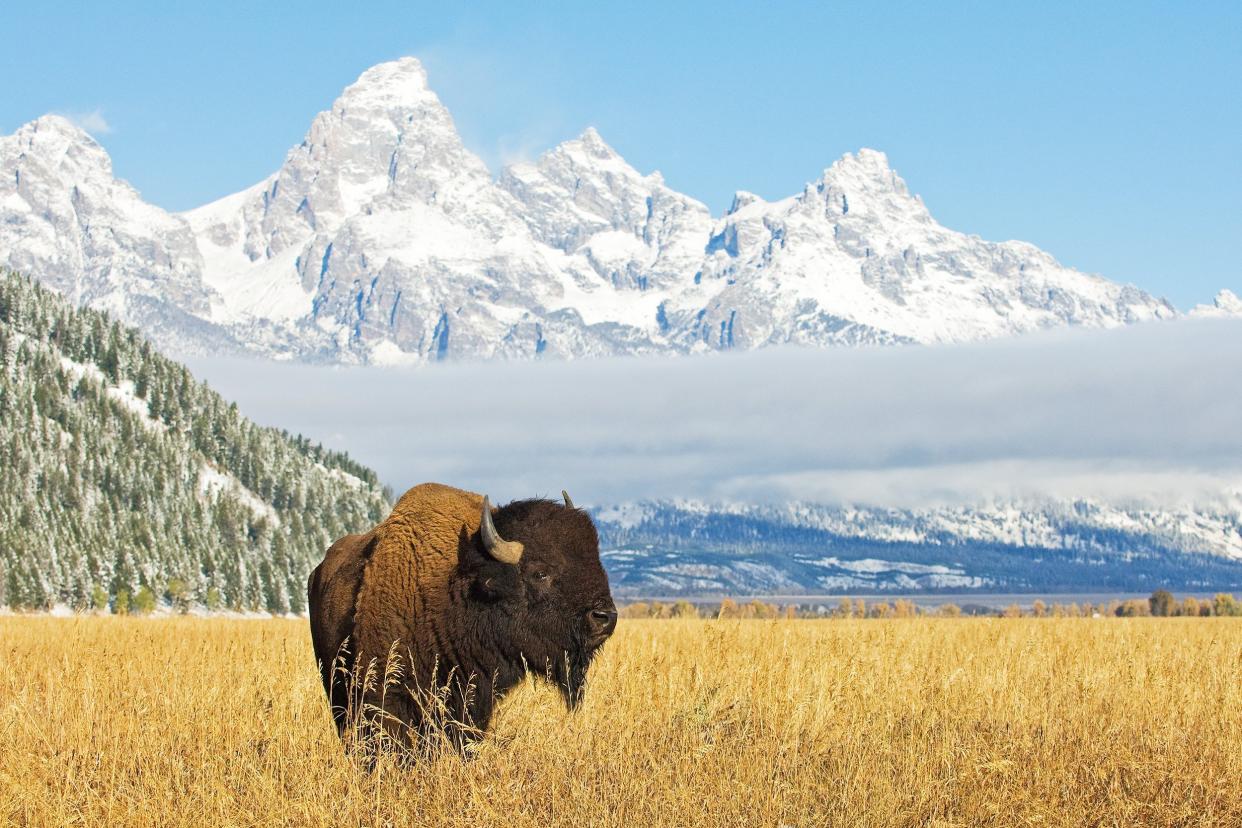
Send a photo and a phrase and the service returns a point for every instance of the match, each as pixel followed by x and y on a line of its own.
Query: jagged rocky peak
pixel 60 145
pixel 52 126
pixel 395 84
pixel 585 171
pixel 868 167
pixel 741 200
pixel 865 184
pixel 392 108
pixel 1225 303
pixel 594 144
pixel 589 151
pixel 1228 301
pixel 54 166
pixel 583 187
pixel 65 218
pixel 386 136
pixel 866 161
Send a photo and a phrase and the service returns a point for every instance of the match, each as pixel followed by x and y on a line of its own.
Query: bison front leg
pixel 452 713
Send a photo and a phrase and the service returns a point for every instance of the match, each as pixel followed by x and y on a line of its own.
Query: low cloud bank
pixel 1151 412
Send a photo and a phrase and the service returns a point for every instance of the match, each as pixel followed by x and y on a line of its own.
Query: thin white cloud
pixel 501 110
pixel 519 148
pixel 1148 412
pixel 93 122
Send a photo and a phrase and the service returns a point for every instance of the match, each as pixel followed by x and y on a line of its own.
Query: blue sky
pixel 1108 134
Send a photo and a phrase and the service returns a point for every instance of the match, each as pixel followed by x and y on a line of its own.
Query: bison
pixel 470 598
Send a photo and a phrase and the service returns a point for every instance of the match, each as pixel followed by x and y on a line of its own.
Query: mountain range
pixel 688 548
pixel 383 239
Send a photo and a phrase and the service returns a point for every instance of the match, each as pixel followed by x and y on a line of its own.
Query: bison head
pixel 543 589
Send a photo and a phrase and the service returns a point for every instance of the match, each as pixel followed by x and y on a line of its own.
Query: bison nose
pixel 603 622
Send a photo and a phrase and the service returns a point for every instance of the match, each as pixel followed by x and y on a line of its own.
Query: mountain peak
pixel 386 136
pixel 400 82
pixel 870 157
pixel 588 150
pixel 590 137
pixel 55 130
pixel 867 174
pixel 62 143
pixel 866 164
pixel 1226 303
pixel 593 144
pixel 741 200
pixel 58 125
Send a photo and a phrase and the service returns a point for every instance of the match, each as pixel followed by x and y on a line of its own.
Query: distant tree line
pixel 130 484
pixel 1161 604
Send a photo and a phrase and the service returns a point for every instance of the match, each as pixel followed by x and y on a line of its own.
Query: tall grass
pixel 114 721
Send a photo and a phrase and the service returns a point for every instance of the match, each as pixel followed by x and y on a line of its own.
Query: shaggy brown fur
pixel 461 621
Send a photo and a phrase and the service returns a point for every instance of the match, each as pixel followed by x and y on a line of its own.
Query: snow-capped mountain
pixel 382 238
pixel 689 548
pixel 1225 304
pixel 65 219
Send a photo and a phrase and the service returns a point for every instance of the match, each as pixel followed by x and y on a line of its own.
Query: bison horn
pixel 509 552
pixel 568 503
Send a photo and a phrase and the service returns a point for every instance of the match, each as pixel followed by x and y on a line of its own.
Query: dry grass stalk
pixel 903 722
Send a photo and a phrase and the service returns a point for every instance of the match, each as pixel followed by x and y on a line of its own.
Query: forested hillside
pixel 126 480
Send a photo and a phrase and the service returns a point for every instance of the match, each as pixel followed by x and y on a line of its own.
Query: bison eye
pixel 540 576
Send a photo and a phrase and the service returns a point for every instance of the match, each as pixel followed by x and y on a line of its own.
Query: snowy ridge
pixel 691 547
pixel 382 239
pixel 1214 528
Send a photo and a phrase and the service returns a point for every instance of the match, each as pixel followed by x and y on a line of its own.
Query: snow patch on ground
pixel 875 566
pixel 212 480
pixel 124 393
pixel 343 476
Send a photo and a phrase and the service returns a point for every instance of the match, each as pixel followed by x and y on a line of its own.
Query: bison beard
pixel 447 604
pixel 570 675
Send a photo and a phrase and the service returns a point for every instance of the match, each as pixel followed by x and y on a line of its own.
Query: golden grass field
pixel 183 721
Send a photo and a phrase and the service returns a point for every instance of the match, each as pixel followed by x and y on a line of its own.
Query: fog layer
pixel 1150 412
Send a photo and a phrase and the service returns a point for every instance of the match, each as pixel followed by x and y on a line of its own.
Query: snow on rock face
pixel 383 239
pixel 1226 303
pixel 386 142
pixel 856 257
pixel 582 197
pixel 394 237
pixel 65 219
pixel 670 547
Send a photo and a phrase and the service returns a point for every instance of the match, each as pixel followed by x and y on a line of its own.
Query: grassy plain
pixel 905 722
